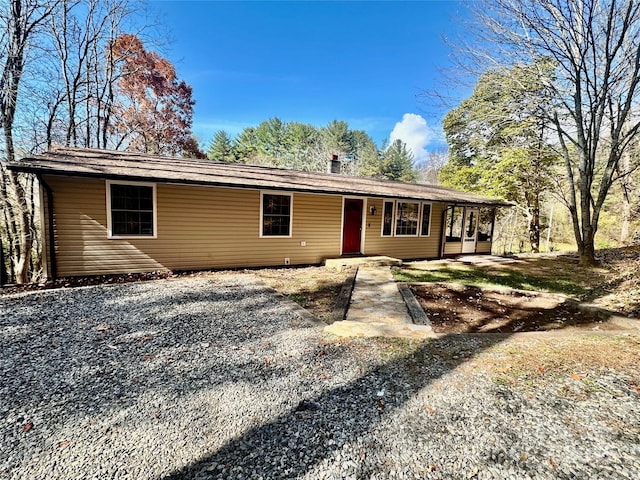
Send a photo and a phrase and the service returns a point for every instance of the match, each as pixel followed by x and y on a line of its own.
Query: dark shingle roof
pixel 142 167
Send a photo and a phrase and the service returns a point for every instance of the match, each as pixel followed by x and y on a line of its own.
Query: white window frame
pixel 395 225
pixel 155 208
pixel 393 218
pixel 261 226
pixel 422 218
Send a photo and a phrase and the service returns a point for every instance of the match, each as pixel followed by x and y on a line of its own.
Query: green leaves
pixel 304 147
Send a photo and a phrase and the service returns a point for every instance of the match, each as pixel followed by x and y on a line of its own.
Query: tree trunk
pixel 25 239
pixel 534 229
pixel 586 249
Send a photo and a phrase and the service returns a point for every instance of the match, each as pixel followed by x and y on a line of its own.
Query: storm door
pixel 470 230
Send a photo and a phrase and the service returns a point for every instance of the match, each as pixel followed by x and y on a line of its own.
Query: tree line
pixel 302 146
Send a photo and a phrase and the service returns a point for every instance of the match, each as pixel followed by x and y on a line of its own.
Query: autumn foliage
pixel 155 111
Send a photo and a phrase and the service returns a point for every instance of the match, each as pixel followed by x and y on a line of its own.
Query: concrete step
pixel 347 328
pixel 376 261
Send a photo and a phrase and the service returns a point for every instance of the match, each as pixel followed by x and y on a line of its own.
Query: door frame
pixel 363 222
pixel 468 210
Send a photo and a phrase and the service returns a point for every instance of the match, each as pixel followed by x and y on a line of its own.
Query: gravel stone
pixel 219 378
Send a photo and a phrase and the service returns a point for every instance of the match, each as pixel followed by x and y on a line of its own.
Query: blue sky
pixel 363 62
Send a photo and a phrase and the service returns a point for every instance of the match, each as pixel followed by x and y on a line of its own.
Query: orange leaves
pixel 27 426
pixel 577 376
pixel 153 109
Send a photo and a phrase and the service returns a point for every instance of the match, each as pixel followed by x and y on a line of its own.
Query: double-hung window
pixel 405 219
pixel 276 215
pixel 131 209
pixel 407 216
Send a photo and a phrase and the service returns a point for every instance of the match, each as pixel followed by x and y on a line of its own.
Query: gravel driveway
pixel 219 378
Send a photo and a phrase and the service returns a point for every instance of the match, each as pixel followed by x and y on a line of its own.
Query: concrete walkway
pixel 376 299
pixel 378 309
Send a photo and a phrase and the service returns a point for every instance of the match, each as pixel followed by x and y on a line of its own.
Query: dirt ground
pixel 456 308
pixel 314 288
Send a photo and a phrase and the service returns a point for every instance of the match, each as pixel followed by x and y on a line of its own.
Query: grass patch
pixel 482 277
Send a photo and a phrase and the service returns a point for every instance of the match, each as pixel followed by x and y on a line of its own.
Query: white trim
pixel 260 226
pixel 395 226
pixel 422 218
pixel 363 224
pixel 363 227
pixel 153 186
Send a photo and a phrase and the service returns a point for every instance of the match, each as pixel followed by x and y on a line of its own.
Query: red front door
pixel 352 227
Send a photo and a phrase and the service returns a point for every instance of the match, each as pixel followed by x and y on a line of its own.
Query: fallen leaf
pixel 473 472
pixel 431 410
pixel 102 328
pixel 553 464
pixel 27 426
pixel 636 388
pixel 380 405
pixel 523 457
pixel 64 443
pixel 576 376
pixel 541 369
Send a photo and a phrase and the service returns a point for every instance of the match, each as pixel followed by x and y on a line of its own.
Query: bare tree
pixel 83 34
pixel 595 47
pixel 429 170
pixel 20 21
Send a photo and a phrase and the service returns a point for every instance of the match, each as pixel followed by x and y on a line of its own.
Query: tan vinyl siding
pixel 454 248
pixel 198 228
pixel 401 247
pixel 483 247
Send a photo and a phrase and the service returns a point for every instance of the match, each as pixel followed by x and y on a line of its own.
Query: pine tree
pixel 220 149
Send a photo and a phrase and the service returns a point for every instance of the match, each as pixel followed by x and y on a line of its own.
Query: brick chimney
pixel 335 165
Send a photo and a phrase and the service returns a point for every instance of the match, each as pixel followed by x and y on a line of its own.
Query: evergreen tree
pixel 397 163
pixel 220 149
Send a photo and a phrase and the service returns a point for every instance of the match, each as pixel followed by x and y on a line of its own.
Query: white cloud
pixel 414 131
